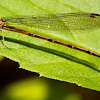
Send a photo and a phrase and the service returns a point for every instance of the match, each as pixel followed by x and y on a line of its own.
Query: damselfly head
pixel 1 22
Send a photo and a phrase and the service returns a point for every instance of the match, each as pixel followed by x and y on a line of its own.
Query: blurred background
pixel 20 84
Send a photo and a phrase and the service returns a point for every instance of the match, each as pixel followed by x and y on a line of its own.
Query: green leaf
pixel 49 59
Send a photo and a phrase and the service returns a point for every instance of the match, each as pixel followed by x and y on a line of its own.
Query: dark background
pixel 11 73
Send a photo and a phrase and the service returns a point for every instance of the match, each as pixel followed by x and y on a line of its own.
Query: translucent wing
pixel 66 21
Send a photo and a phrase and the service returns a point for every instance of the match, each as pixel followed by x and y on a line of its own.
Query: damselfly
pixel 66 21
